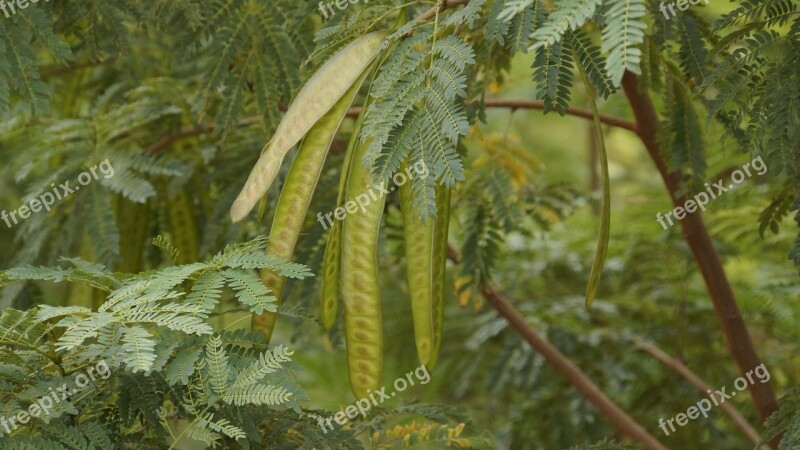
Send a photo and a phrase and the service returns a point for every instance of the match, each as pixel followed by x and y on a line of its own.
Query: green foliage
pixel 522 25
pixel 607 445
pixel 786 421
pixel 553 77
pixel 180 95
pixel 252 47
pixel 494 205
pixel 682 134
pixel 19 63
pixel 416 113
pixel 169 365
pixel 623 33
pixel 756 94
pixel 571 15
pixel 592 61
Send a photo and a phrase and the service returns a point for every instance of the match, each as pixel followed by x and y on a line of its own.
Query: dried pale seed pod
pixel 325 88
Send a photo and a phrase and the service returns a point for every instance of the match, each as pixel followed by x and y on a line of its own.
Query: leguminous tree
pixel 348 184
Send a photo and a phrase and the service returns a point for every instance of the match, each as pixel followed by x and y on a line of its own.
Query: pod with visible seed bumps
pixel 360 288
pixel 331 265
pixel 419 246
pixel 426 256
pixel 296 196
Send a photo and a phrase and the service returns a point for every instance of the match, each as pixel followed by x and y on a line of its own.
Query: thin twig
pixel 562 364
pixel 52 72
pixel 355 111
pixel 441 6
pixel 702 387
pixel 577 112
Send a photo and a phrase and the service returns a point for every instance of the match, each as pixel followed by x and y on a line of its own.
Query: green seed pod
pixel 419 246
pixel 439 275
pixel 331 266
pixel 134 227
pixel 325 88
pixel 330 277
pixel 296 196
pixel 360 288
pixel 426 255
pixel 183 228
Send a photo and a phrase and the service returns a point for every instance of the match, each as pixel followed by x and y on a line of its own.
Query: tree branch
pixel 441 6
pixel 47 73
pixel 705 254
pixel 188 132
pixel 355 111
pixel 703 388
pixel 166 141
pixel 562 364
pixel 537 104
pixel 577 112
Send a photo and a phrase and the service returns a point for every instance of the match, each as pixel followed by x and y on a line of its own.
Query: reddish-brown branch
pixel 537 104
pixel 188 132
pixel 702 387
pixel 431 13
pixel 577 112
pixel 708 261
pixel 624 423
pixel 52 72
pixel 355 111
pixel 166 141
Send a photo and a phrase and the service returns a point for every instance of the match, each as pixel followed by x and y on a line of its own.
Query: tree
pixel 175 101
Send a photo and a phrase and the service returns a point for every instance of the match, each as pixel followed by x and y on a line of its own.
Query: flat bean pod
pixel 183 228
pixel 439 266
pixel 360 288
pixel 296 195
pixel 419 245
pixel 331 266
pixel 325 88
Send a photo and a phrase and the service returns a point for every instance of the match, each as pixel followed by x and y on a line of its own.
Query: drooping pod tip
pixel 240 210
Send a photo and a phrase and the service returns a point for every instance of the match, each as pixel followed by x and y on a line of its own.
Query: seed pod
pixel 331 266
pixel 426 255
pixel 419 246
pixel 296 197
pixel 360 288
pixel 330 277
pixel 318 96
pixel 439 274
pixel 601 254
pixel 134 226
pixel 183 228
